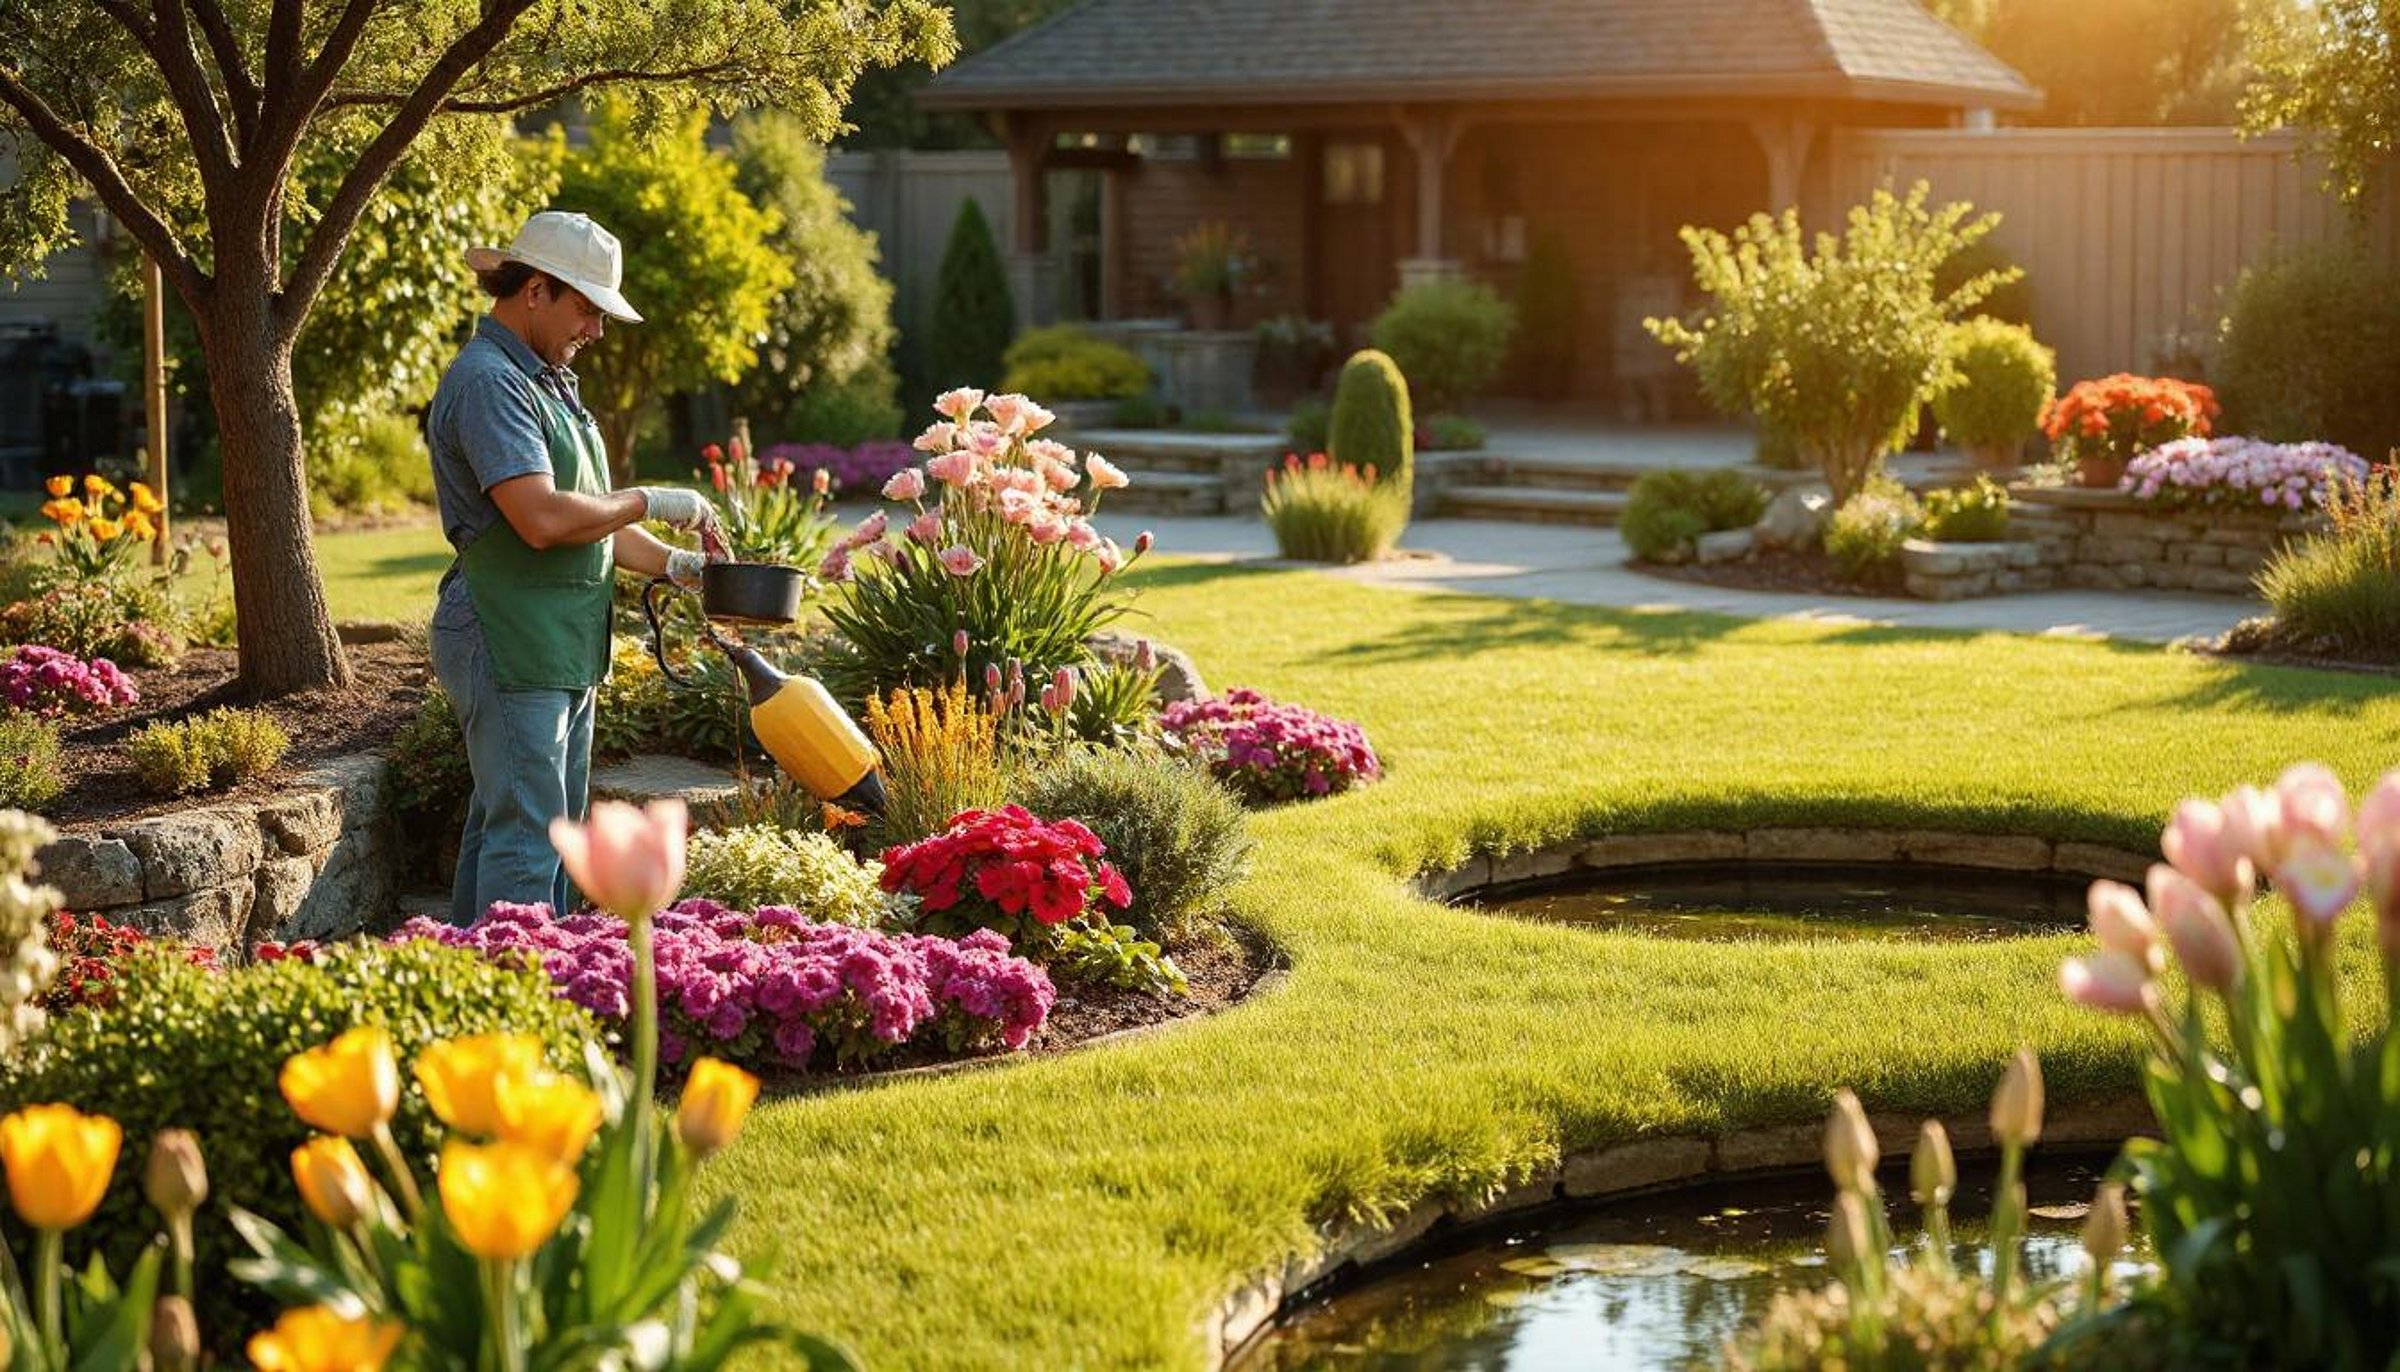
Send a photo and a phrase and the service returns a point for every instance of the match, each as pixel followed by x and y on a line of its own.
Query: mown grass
pixel 1087 1211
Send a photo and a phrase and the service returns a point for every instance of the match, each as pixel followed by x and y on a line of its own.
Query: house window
pixel 1353 173
pixel 1260 147
pixel 1163 147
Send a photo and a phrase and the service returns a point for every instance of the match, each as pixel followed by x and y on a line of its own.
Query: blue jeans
pixel 531 752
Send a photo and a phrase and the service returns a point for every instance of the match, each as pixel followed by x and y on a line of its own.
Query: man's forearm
pixel 567 519
pixel 638 550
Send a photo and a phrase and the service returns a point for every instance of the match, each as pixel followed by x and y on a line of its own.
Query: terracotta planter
pixel 1210 312
pixel 1995 457
pixel 2100 473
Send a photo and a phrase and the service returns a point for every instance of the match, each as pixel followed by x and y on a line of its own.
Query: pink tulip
pixel 2318 879
pixel 1036 418
pixel 2200 844
pixel 2110 981
pixel 1062 684
pixel 628 862
pixel 926 529
pixel 1081 536
pixel 1019 507
pixel 938 438
pixel 958 405
pixel 1109 556
pixel 1105 474
pixel 2122 923
pixel 2253 825
pixel 2383 885
pixel 868 530
pixel 1045 530
pixel 1143 543
pixel 953 469
pixel 1008 412
pixel 836 566
pixel 2198 929
pixel 1051 450
pixel 986 440
pixel 1058 476
pixel 960 560
pixel 959 643
pixel 906 484
pixel 2314 803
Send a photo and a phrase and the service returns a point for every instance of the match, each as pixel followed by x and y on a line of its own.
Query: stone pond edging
pixel 315 862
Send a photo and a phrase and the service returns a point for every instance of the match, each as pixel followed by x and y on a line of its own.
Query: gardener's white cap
pixel 572 248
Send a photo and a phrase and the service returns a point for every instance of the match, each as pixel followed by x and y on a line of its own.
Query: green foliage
pixel 1931 1319
pixel 29 773
pixel 1668 509
pixel 973 314
pixel 1969 514
pixel 1837 345
pixel 1448 338
pixel 2124 63
pixel 1176 833
pixel 1139 412
pixel 1452 433
pixel 2311 344
pixel 224 747
pixel 368 464
pixel 130 622
pixel 1864 536
pixel 940 750
pixel 754 865
pixel 432 783
pixel 192 1048
pixel 632 705
pixel 1093 953
pixel 1293 352
pixel 702 263
pixel 823 374
pixel 1549 312
pixel 2011 297
pixel 1115 704
pixel 1372 425
pixel 1064 362
pixel 2340 590
pixel 2327 67
pixel 1310 429
pixel 2005 378
pixel 1323 511
pixel 884 105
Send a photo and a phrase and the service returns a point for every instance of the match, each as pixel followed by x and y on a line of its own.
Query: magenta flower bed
pixel 51 683
pixel 1271 751
pixel 774 988
pixel 854 471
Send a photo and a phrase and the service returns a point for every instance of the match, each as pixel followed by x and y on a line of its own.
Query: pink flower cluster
pixel 50 683
pixel 773 988
pixel 2237 470
pixel 1269 751
pixel 994 480
pixel 1006 869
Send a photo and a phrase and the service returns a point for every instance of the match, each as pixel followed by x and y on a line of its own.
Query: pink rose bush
pixel 44 681
pixel 2275 1110
pixel 1270 751
pixel 2242 471
pixel 773 988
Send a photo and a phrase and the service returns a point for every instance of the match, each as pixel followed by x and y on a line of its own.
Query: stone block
pixel 1247 1311
pixel 1759 1150
pixel 194 850
pixel 353 889
pixel 301 823
pixel 1794 518
pixel 283 885
pixel 2196 555
pixel 1537 1190
pixel 1635 1166
pixel 1533 866
pixel 1371 1244
pixel 2023 554
pixel 1726 545
pixel 1178 678
pixel 214 917
pixel 1642 850
pixel 2141 551
pixel 2008 852
pixel 2245 562
pixel 360 781
pixel 2167 576
pixel 2132 574
pixel 2095 861
pixel 91 872
pixel 1473 874
pixel 2109 524
pixel 655 776
pixel 1821 845
pixel 2111 1121
pixel 1956 586
pixel 2219 581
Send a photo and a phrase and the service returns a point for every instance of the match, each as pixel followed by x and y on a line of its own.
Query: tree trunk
pixel 287 642
pixel 618 431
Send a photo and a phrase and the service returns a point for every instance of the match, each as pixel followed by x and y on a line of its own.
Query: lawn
pixel 1087 1211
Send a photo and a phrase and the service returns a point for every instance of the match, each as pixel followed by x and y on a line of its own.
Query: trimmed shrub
pixel 367 464
pixel 2340 590
pixel 1063 362
pixel 1371 424
pixel 973 314
pixel 758 864
pixel 2310 348
pixel 1448 337
pixel 859 409
pixel 2006 379
pixel 1549 310
pixel 1174 832
pixel 1311 427
pixel 1668 510
pixel 1321 512
pixel 222 748
pixel 1971 514
pixel 1864 536
pixel 29 775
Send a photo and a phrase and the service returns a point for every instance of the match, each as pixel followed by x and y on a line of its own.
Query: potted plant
pixel 2101 425
pixel 1211 262
pixel 2005 379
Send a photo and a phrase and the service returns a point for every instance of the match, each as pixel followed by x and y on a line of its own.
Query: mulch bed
pixel 389 682
pixel 2258 640
pixel 1793 571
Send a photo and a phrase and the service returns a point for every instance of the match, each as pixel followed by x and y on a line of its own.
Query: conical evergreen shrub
pixel 974 319
pixel 1372 426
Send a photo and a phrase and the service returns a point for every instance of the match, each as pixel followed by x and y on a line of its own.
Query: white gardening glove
pixel 683 567
pixel 677 505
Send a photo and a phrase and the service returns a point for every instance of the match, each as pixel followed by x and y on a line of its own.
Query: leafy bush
pixel 182 1046
pixel 1971 514
pixel 1268 751
pixel 853 411
pixel 1668 509
pixel 1449 433
pixel 367 464
pixel 1864 536
pixel 1065 362
pixel 2341 589
pixel 431 782
pixel 1549 313
pixel 974 316
pixel 1372 427
pixel 941 754
pixel 2010 300
pixel 1838 343
pixel 1447 337
pixel 1096 953
pixel 1140 412
pixel 1114 704
pixel 222 748
pixel 29 774
pixel 2310 345
pixel 631 706
pixel 49 683
pixel 1320 512
pixel 759 864
pixel 1176 833
pixel 2005 381
pixel 1310 428
pixel 130 624
pixel 92 952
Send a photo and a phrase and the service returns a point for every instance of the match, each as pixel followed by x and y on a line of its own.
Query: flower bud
pixel 1932 1172
pixel 991 678
pixel 1849 1238
pixel 2198 930
pixel 1062 682
pixel 716 1099
pixel 1143 542
pixel 174 1335
pixel 1145 656
pixel 1850 1151
pixel 959 644
pixel 2112 981
pixel 2017 1105
pixel 2122 923
pixel 2105 1228
pixel 176 1180
pixel 332 1182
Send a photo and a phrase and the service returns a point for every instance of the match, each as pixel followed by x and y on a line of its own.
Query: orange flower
pixel 66 511
pixel 60 486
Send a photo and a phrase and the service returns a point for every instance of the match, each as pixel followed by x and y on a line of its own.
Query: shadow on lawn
pixel 2277 689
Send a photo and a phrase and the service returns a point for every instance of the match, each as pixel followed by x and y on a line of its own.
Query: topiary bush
pixel 1448 338
pixel 1971 514
pixel 1174 832
pixel 2311 344
pixel 973 314
pixel 759 864
pixel 1063 362
pixel 1864 536
pixel 29 774
pixel 2005 380
pixel 181 1046
pixel 1668 510
pixel 1371 424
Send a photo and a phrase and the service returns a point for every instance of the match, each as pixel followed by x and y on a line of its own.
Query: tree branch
pixel 241 90
pixel 548 95
pixel 291 104
pixel 98 169
pixel 179 62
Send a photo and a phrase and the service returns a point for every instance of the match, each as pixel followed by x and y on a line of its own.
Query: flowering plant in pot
pixel 1212 261
pixel 771 510
pixel 2101 425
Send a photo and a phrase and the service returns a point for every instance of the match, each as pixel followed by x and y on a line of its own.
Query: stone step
pixel 1532 505
pixel 655 776
pixel 1167 450
pixel 1167 492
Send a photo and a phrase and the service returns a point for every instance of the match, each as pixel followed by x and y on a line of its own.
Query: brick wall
pixel 1163 199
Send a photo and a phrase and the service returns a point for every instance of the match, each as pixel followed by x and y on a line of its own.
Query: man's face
pixel 560 321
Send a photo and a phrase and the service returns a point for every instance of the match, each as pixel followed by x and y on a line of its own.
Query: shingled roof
pixel 1186 52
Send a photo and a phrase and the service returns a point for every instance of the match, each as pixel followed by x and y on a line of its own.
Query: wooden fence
pixel 909 199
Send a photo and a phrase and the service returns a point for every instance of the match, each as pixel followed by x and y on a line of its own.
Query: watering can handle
pixel 658 634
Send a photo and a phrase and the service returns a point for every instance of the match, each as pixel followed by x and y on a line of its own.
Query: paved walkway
pixel 1586 566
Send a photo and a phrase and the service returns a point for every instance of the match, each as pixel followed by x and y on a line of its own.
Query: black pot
pixel 758 592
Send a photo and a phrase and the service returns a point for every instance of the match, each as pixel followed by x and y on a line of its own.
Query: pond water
pixel 1734 901
pixel 1657 1282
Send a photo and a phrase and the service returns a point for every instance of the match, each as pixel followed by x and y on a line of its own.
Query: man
pixel 521 628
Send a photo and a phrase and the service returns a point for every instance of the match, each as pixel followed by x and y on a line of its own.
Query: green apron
pixel 546 614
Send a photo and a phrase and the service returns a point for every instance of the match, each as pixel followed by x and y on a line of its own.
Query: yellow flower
pixel 97 485
pixel 316 1339
pixel 332 1181
pixel 58 1161
pixel 60 485
pixel 349 1086
pixel 68 511
pixel 458 1076
pixel 715 1102
pixel 555 1114
pixel 106 529
pixel 145 500
pixel 139 525
pixel 503 1200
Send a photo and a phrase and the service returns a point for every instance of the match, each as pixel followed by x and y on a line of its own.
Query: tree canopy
pixel 2333 67
pixel 2116 62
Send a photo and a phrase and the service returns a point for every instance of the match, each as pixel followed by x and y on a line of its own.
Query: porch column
pixel 1032 270
pixel 1785 139
pixel 1432 135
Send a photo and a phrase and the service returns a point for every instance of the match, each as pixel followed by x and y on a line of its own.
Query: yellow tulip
pixel 315 1339
pixel 106 529
pixel 59 1160
pixel 504 1200
pixel 145 500
pixel 555 1114
pixel 333 1181
pixel 60 485
pixel 349 1086
pixel 96 486
pixel 67 512
pixel 715 1101
pixel 458 1076
pixel 139 525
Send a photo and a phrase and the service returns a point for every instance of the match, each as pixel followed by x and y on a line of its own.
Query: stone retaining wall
pixel 316 862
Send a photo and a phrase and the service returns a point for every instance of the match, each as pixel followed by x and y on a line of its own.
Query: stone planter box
pixel 2109 540
pixel 316 862
pixel 1956 571
pixel 1199 371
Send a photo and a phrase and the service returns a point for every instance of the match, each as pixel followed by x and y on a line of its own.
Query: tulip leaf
pixel 111 1331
